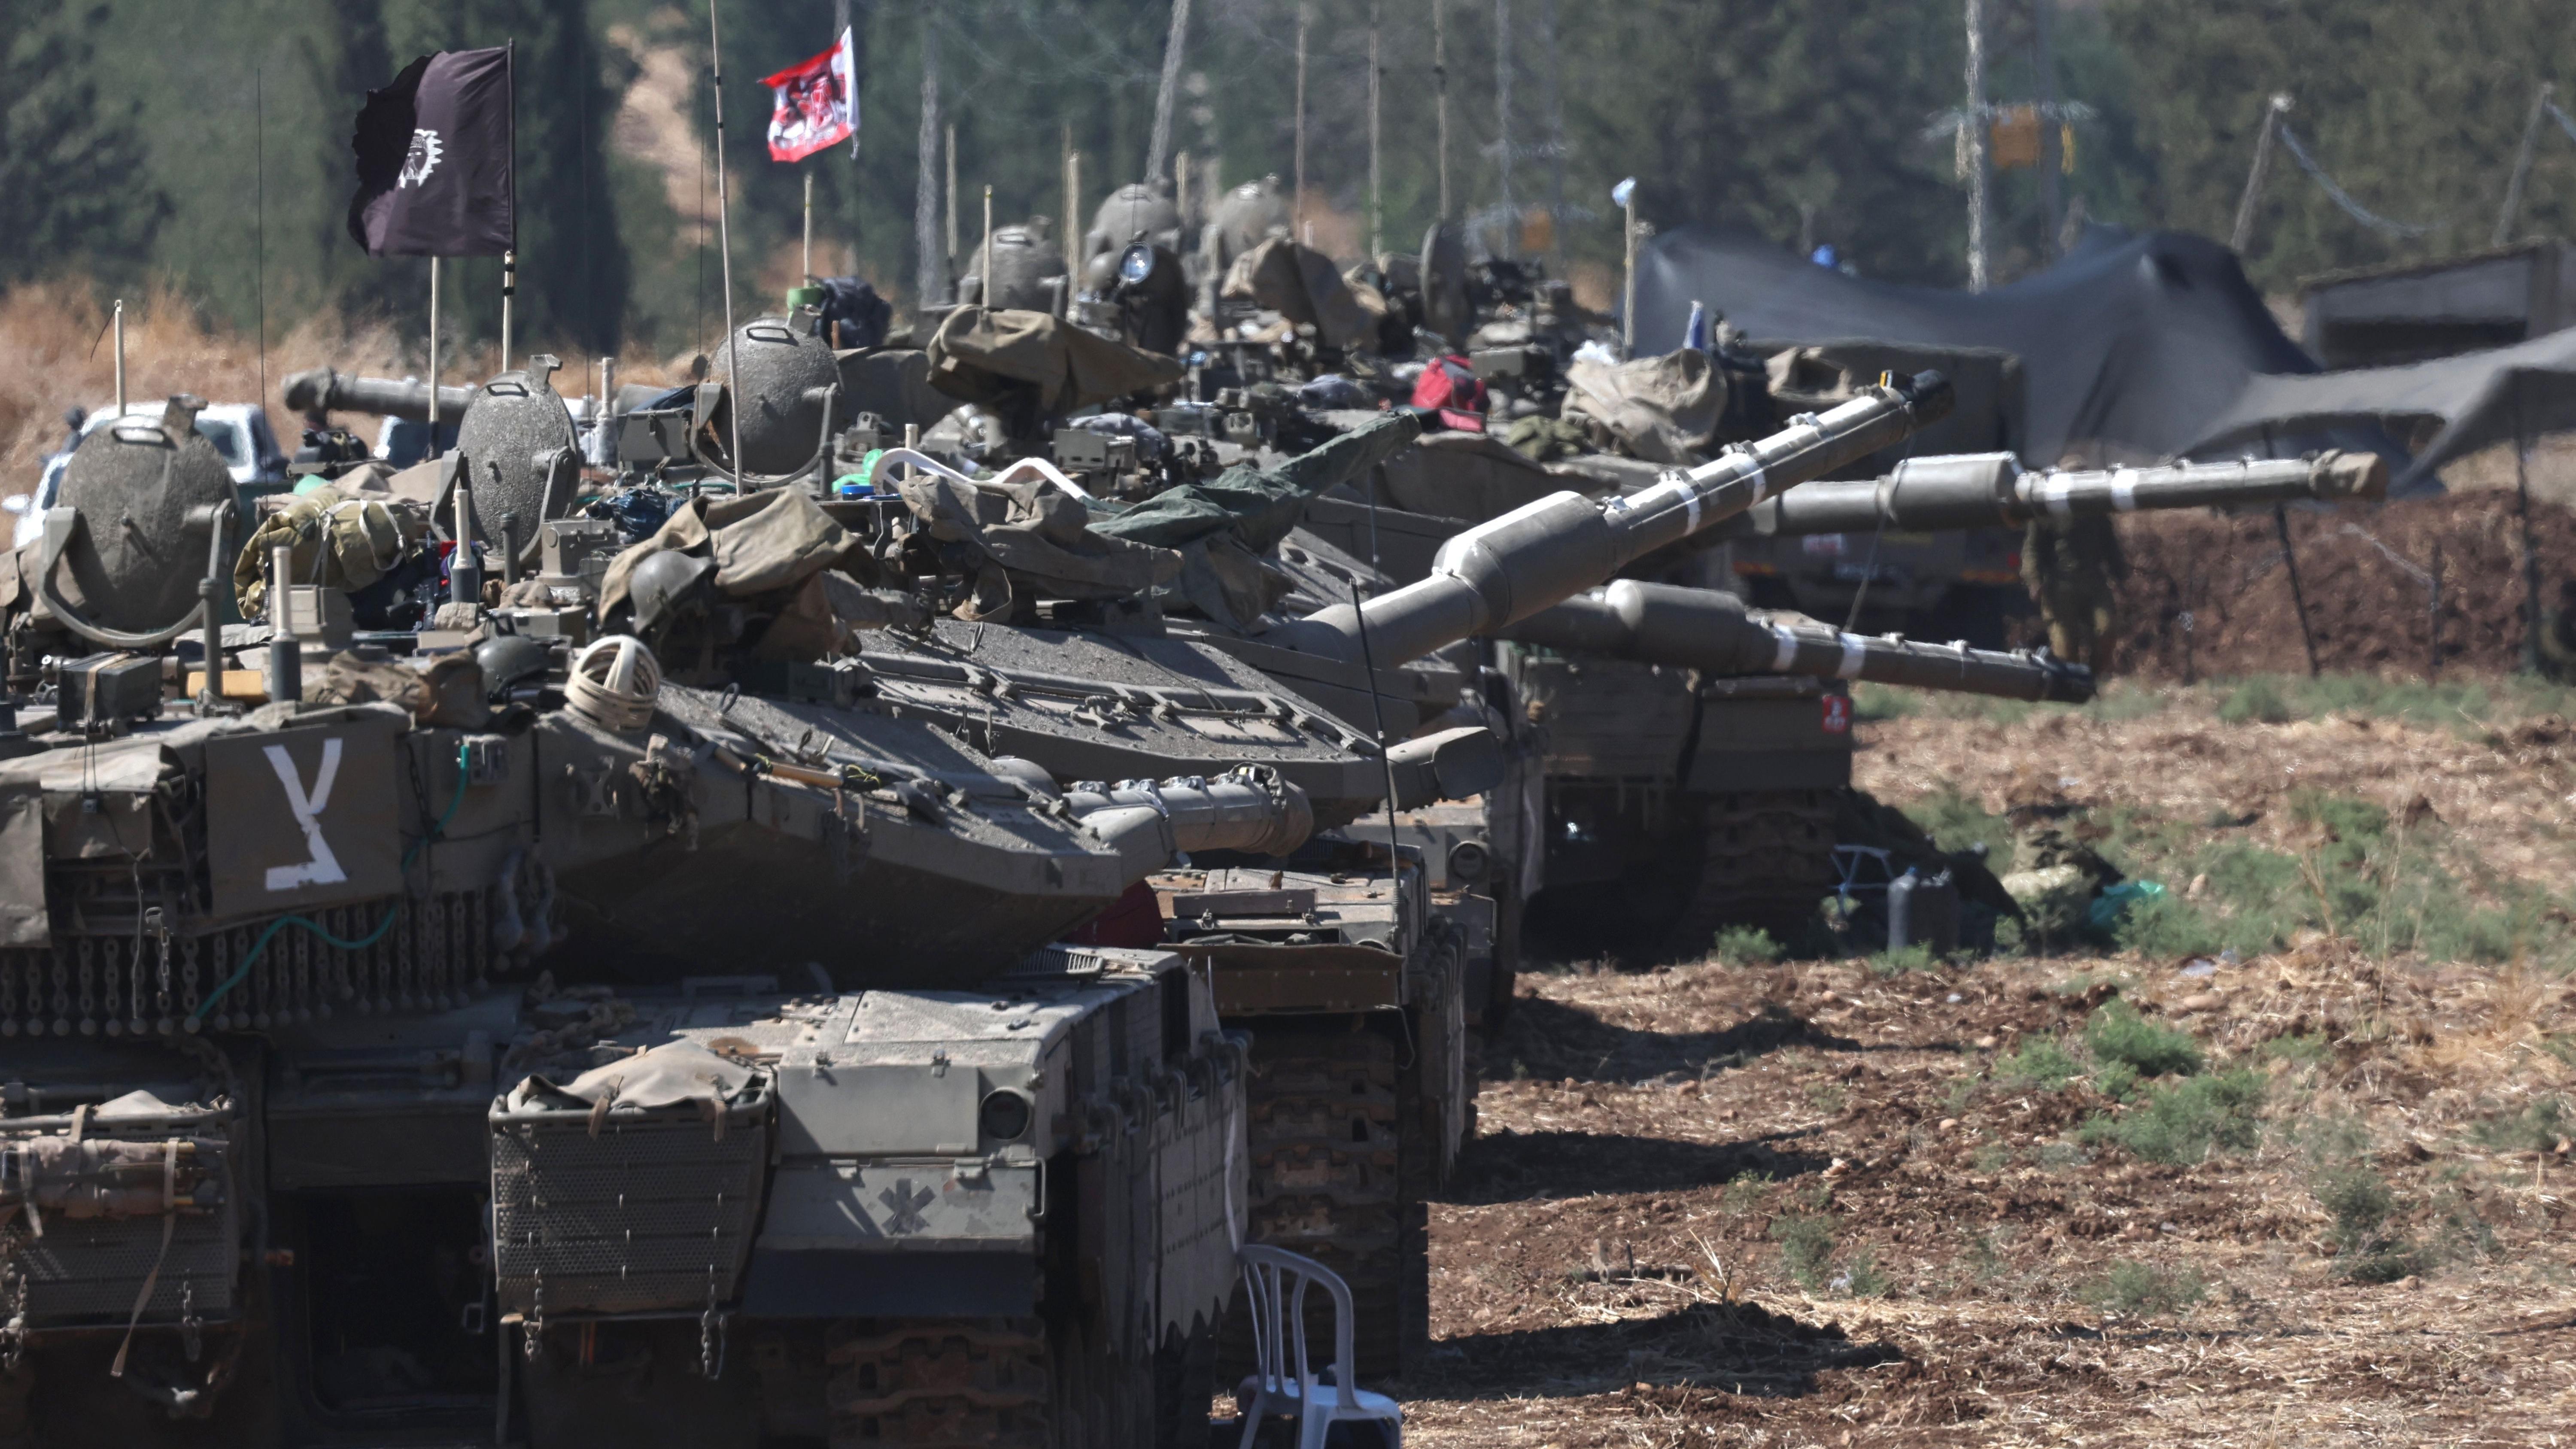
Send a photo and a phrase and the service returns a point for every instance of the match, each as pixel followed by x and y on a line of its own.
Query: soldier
pixel 2558 634
pixel 2072 566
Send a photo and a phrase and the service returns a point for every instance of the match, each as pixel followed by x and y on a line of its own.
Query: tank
pixel 521 456
pixel 574 1056
pixel 1353 964
pixel 1693 785
pixel 1029 272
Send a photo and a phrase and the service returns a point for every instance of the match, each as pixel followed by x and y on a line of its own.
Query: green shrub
pixel 2118 1033
pixel 2257 701
pixel 1917 957
pixel 2367 1250
pixel 2039 1061
pixel 1806 1245
pixel 2138 1290
pixel 2306 1049
pixel 1958 822
pixel 2184 1122
pixel 2167 927
pixel 2538 1127
pixel 1746 946
pixel 1861 1277
pixel 2117 1081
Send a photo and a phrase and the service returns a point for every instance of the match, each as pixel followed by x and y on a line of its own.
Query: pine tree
pixel 71 163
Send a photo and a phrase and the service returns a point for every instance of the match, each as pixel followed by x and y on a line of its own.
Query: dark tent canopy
pixel 2129 346
pixel 2450 406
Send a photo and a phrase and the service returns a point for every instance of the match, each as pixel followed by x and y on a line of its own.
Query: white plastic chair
pixel 1277 1281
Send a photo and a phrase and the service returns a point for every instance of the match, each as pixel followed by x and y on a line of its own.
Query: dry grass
pixel 55 354
pixel 1615 1267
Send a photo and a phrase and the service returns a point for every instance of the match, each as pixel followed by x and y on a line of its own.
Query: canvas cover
pixel 1663 409
pixel 985 355
pixel 1302 285
pixel 2471 401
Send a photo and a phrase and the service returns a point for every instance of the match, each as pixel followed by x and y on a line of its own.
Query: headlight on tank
pixel 1469 862
pixel 1004 1116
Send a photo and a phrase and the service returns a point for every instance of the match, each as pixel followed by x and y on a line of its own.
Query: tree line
pixel 206 143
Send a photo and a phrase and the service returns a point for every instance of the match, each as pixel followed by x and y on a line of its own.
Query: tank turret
pixel 519 449
pixel 139 525
pixel 788 390
pixel 1715 634
pixel 1972 490
pixel 1495 574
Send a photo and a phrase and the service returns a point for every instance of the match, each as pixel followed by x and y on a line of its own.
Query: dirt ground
pixel 1810 1203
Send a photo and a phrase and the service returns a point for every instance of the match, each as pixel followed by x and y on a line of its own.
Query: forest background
pixel 201 149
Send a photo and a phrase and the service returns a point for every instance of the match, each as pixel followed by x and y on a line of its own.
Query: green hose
pixel 198 1016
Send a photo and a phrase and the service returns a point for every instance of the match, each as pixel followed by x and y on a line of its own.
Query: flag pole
pixel 510 254
pixel 432 450
pixel 724 250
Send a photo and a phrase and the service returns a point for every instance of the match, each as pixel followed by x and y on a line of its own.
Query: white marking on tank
pixel 2124 490
pixel 324 867
pixel 1855 649
pixel 2054 493
pixel 1788 654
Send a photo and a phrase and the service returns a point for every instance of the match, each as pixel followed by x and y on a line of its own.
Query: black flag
pixel 435 160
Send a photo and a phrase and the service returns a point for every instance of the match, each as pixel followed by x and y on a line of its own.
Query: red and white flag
pixel 818 103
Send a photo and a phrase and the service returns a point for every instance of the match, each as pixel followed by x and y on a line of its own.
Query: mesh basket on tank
pixel 627 1211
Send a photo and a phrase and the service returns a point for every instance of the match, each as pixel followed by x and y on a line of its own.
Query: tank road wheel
pixel 1766 859
pixel 941 1384
pixel 1328 1181
pixel 985 1384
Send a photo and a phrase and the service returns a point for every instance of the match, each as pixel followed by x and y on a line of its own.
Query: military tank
pixel 1692 787
pixel 1704 788
pixel 1356 967
pixel 496 1041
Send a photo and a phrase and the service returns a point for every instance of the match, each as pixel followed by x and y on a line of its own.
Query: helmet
pixel 668 585
pixel 512 660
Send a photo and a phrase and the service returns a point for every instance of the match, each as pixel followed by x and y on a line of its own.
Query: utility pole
pixel 1160 146
pixel 2522 163
pixel 1297 207
pixel 1377 173
pixel 2052 151
pixel 930 278
pixel 1503 128
pixel 1440 94
pixel 1555 102
pixel 2243 236
pixel 1979 162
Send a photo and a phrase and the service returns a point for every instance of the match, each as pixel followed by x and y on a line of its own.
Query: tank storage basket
pixel 627 1210
pixel 93 1205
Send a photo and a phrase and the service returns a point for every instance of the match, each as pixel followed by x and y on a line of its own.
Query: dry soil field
pixel 2288 1167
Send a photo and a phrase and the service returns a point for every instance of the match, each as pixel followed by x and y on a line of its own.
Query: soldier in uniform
pixel 2073 566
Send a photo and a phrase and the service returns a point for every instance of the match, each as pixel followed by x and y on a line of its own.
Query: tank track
pixel 936 1383
pixel 1331 1180
pixel 1766 859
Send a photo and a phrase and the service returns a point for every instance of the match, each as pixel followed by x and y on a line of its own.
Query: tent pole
pixel 2530 549
pixel 2522 163
pixel 2243 236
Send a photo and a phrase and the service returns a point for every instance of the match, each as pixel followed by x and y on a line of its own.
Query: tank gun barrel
pixel 1501 572
pixel 1714 633
pixel 326 390
pixel 1978 490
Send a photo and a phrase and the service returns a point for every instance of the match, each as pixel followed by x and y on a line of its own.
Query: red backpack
pixel 1450 385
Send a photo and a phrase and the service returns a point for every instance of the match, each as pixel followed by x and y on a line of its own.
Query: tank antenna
pixel 724 251
pixel 118 322
pixel 259 220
